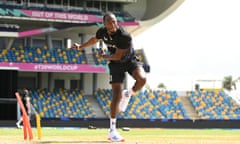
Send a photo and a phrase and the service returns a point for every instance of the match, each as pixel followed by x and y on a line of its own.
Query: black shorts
pixel 117 70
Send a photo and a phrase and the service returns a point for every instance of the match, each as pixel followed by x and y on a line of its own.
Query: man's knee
pixel 143 80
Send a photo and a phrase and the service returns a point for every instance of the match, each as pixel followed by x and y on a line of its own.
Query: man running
pixel 122 59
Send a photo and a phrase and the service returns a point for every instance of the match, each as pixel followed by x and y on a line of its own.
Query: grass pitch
pixel 134 136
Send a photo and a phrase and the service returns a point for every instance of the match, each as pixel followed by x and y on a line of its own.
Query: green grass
pixel 134 136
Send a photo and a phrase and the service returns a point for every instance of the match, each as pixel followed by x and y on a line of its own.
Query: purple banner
pixel 62 16
pixel 36 31
pixel 35 67
pixel 70 17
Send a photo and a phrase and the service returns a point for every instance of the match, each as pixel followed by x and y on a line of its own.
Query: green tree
pixel 228 83
pixel 161 85
pixel 147 86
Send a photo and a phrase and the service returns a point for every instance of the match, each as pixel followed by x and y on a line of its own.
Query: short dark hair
pixel 107 14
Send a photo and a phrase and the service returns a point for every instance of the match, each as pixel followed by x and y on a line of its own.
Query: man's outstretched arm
pixel 90 42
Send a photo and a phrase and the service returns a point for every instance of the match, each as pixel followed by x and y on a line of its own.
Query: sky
pixel 199 40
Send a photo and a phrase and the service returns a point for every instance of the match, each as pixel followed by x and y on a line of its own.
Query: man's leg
pixel 140 76
pixel 116 97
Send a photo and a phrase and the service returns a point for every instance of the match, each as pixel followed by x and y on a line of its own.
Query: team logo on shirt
pixel 111 45
pixel 104 38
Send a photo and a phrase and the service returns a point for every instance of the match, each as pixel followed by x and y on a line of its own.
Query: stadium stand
pixel 56 55
pixel 43 55
pixel 147 105
pixel 156 104
pixel 61 103
pixel 72 103
pixel 214 105
pixel 64 103
pixel 96 59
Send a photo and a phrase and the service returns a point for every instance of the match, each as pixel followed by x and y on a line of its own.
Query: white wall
pixel 87 86
pixel 103 81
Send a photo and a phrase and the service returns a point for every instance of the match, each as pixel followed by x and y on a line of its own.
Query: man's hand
pixel 76 46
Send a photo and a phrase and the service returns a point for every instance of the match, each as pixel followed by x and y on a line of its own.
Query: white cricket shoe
pixel 114 136
pixel 126 95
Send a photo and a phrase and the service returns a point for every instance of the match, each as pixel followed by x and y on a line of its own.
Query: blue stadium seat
pixel 61 103
pixel 214 105
pixel 146 105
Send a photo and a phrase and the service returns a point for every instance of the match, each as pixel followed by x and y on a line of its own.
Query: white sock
pixel 130 91
pixel 113 122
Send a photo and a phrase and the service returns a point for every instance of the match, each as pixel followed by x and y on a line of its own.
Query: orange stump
pixel 27 130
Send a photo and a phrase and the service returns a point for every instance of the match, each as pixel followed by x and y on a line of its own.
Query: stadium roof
pixel 155 11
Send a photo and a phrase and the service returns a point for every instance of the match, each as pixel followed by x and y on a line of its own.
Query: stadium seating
pixel 146 105
pixel 61 103
pixel 57 55
pixel 96 59
pixel 214 105
pixel 43 55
